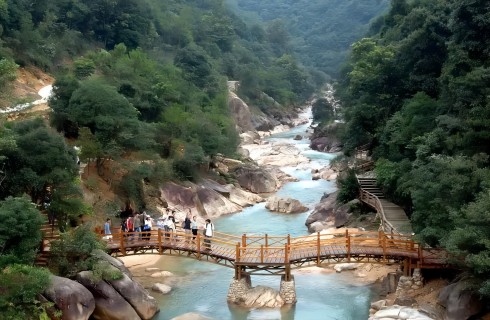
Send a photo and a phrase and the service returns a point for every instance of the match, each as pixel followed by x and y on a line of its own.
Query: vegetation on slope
pixel 139 83
pixel 417 91
pixel 319 32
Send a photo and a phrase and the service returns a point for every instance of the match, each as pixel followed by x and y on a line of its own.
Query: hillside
pixel 417 93
pixel 319 32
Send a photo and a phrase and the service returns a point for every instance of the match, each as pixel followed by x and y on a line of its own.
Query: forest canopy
pixel 417 92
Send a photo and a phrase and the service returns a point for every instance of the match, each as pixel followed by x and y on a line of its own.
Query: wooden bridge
pixel 271 255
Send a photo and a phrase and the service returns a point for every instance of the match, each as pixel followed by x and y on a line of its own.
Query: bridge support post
pixel 287 290
pixel 239 287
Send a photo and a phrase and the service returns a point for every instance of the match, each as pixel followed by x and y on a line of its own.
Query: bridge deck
pixel 276 253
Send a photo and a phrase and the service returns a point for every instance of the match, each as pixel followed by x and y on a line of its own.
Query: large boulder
pixel 256 179
pixel 399 312
pixel 326 144
pixel 71 298
pixel 285 205
pixel 109 304
pixel 282 155
pixel 326 138
pixel 145 305
pixel 240 112
pixel 261 296
pixel 205 199
pixel 460 302
pixel 329 213
pixel 323 211
pixel 215 204
pixel 243 198
pixel 115 262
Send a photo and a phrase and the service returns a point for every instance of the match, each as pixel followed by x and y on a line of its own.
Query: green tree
pixel 20 232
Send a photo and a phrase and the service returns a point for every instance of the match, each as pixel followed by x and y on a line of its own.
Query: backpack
pixel 124 227
pixel 129 224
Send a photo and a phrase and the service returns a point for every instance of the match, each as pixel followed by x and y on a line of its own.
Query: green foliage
pixel 348 186
pixel 323 111
pixel 83 67
pixel 318 31
pixel 20 232
pixel 72 253
pixel 417 91
pixel 20 286
pixel 39 158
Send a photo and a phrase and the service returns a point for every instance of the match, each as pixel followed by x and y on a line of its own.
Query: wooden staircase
pixel 370 185
pixel 50 232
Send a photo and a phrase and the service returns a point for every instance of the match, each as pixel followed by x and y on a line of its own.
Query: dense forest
pixel 319 32
pixel 417 91
pixel 138 83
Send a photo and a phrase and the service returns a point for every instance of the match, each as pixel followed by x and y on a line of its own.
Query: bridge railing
pixel 373 201
pixel 277 250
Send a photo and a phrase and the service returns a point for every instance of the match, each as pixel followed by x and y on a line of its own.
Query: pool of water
pixel 202 287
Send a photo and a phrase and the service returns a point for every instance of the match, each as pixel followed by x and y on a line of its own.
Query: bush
pixel 348 186
pixel 73 252
pixel 19 288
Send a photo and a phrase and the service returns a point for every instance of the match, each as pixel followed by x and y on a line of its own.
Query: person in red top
pixel 130 225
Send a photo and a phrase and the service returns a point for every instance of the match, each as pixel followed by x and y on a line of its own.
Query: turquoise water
pixel 202 287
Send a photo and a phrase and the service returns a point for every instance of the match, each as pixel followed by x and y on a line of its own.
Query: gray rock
pixel 261 296
pixel 162 288
pixel 73 299
pixel 115 262
pixel 324 210
pixel 378 305
pixel 405 301
pixel 191 316
pixel 145 305
pixel 284 205
pixel 256 179
pixel 109 304
pixel 240 112
pixel 460 303
pixel 298 137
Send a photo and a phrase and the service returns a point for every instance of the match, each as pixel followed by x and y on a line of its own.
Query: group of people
pixel 142 222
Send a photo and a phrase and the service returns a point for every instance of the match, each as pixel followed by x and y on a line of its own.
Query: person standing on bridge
pixel 194 227
pixel 208 234
pixel 187 227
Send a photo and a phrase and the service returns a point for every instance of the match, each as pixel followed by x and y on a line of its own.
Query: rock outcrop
pixel 261 296
pixel 460 302
pixel 256 179
pixel 70 297
pixel 399 313
pixel 328 213
pixel 145 305
pixel 326 173
pixel 240 112
pixel 284 205
pixel 109 304
pixel 326 139
pixel 207 201
pixel 115 262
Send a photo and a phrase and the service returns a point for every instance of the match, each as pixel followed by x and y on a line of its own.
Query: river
pixel 202 287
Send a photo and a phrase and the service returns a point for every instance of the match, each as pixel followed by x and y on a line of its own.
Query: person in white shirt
pixel 208 234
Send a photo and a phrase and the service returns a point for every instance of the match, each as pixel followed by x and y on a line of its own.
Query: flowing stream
pixel 202 287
